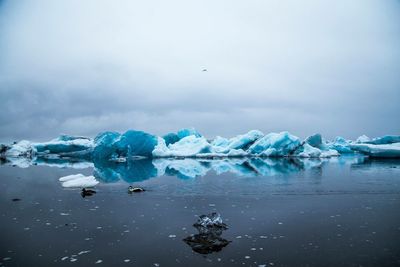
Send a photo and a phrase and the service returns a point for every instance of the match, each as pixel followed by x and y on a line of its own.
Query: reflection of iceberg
pixel 184 168
pixel 113 146
pixel 130 171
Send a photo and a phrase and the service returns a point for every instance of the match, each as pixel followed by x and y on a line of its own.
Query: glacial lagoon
pixel 342 211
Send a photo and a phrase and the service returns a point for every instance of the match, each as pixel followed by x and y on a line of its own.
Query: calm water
pixel 342 212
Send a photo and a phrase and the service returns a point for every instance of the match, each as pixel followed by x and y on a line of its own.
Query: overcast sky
pixel 81 67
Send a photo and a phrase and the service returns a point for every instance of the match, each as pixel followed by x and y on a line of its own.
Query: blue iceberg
pixel 341 145
pixel 378 151
pixel 275 144
pixel 65 145
pixel 119 148
pixel 112 145
pixel 386 139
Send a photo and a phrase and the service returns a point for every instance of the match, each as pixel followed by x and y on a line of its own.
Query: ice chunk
pixel 308 151
pixel 275 144
pixel 189 146
pixel 188 132
pixel 363 139
pixel 378 151
pixel 112 145
pixel 66 146
pixel 220 142
pixel 78 180
pixel 387 139
pixel 341 145
pixel 242 141
pixel 211 220
pixel 22 148
pixel 314 140
pixel 208 239
pixel 171 138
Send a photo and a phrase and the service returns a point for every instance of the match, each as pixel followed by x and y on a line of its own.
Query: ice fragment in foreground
pixel 211 220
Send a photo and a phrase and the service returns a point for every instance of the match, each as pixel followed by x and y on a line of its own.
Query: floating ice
pixel 363 139
pixel 121 148
pixel 66 145
pixel 239 142
pixel 211 220
pixel 341 145
pixel 275 144
pixel 387 139
pixel 378 151
pixel 112 145
pixel 208 239
pixel 22 148
pixel 188 146
pixel 314 140
pixel 78 180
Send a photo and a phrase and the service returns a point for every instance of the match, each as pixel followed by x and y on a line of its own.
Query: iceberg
pixel 65 146
pixel 275 144
pixel 112 145
pixel 314 140
pixel 78 180
pixel 188 132
pixel 363 139
pixel 341 145
pixel 308 151
pixel 188 146
pixel 19 149
pixel 120 148
pixel 378 151
pixel 386 139
pixel 221 145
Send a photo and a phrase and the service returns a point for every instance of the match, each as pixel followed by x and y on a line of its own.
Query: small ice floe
pixel 78 180
pixel 98 261
pixel 83 252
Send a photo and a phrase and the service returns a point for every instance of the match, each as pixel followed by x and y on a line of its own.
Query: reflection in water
pixel 142 169
pixel 208 240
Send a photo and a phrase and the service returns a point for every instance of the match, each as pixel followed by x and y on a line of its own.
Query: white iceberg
pixel 78 180
pixel 22 148
pixel 363 139
pixel 189 146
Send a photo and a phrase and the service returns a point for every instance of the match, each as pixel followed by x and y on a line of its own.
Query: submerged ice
pixel 117 147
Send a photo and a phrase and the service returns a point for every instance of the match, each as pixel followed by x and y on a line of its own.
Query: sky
pixel 82 67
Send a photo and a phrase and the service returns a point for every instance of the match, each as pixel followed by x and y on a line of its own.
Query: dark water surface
pixel 340 213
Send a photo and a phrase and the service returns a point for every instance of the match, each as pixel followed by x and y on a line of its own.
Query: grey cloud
pixel 312 66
